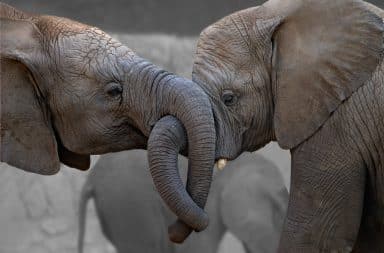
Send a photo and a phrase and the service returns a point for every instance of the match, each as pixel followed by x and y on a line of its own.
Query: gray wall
pixel 144 16
pixel 183 17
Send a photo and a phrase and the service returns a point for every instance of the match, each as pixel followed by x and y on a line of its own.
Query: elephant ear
pixel 323 52
pixel 27 136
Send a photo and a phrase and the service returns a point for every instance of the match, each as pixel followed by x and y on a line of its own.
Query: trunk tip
pixel 178 232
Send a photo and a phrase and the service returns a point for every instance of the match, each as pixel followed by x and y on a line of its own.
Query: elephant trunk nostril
pixel 179 231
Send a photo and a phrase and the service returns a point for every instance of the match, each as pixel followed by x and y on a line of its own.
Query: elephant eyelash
pixel 115 90
pixel 115 79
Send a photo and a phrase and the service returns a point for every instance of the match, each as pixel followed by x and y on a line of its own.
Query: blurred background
pixel 179 17
pixel 39 214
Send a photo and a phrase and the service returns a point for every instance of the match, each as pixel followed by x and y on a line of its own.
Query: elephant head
pixel 69 90
pixel 276 72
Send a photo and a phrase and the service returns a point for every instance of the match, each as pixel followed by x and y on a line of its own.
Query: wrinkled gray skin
pixel 309 75
pixel 69 90
pixel 248 198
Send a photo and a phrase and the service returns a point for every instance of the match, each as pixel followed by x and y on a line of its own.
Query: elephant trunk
pixel 158 94
pixel 192 110
pixel 167 139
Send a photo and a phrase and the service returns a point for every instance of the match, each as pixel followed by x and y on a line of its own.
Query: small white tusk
pixel 221 164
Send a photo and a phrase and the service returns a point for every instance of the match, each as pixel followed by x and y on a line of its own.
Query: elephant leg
pixel 246 249
pixel 253 209
pixel 326 198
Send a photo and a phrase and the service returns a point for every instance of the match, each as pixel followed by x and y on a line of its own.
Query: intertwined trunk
pixel 184 120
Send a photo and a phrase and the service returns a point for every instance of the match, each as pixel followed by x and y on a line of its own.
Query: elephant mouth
pixel 133 137
pixel 224 157
pixel 137 140
pixel 227 155
pixel 69 158
pixel 141 139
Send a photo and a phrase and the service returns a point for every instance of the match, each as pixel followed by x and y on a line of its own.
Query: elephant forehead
pixel 93 52
pixel 225 56
pixel 54 27
pixel 72 37
pixel 222 49
pixel 231 37
pixel 93 42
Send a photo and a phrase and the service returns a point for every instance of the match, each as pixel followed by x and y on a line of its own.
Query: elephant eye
pixel 229 98
pixel 114 89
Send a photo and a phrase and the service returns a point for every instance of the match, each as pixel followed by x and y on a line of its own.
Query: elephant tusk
pixel 221 164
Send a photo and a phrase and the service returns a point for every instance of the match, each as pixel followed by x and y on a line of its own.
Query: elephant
pixel 248 198
pixel 309 75
pixel 69 90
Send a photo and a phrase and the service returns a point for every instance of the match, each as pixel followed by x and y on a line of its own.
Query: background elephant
pixel 248 199
pixel 309 75
pixel 69 90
